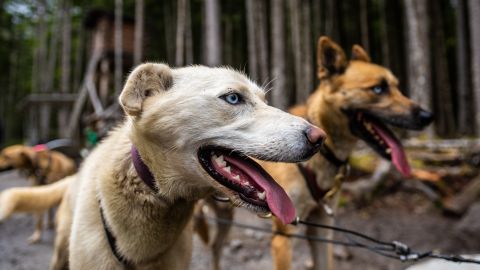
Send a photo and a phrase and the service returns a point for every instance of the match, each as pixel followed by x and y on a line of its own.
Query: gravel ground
pixel 405 217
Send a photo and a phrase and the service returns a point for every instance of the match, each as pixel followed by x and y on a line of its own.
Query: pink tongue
pixel 399 158
pixel 277 200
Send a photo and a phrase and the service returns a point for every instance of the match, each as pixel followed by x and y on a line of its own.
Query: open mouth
pixel 376 134
pixel 248 180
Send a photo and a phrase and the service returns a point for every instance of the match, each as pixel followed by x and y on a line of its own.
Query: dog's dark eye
pixel 380 89
pixel 232 98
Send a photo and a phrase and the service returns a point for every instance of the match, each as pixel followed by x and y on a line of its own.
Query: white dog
pixel 187 135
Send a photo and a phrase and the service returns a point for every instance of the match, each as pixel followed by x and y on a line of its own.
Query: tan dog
pixel 187 135
pixel 42 167
pixel 355 100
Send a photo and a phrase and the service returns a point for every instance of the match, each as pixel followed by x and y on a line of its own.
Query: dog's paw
pixel 34 238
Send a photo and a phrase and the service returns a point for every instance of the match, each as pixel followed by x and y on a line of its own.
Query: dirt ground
pixel 401 216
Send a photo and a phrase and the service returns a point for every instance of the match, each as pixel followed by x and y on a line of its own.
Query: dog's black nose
pixel 423 117
pixel 315 135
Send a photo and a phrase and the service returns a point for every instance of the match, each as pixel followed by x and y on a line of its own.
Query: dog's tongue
pixel 399 159
pixel 277 200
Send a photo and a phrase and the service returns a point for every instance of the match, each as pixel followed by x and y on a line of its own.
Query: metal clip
pixel 265 215
pixel 220 197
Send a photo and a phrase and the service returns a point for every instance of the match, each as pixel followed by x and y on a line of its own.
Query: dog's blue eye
pixel 380 89
pixel 232 98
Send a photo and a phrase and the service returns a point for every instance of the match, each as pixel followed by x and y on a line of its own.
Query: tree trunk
pixel 364 24
pixel 251 40
pixel 44 68
pixel 213 46
pixel 118 46
pixel 300 94
pixel 79 55
pixel 419 73
pixel 66 64
pixel 169 23
pixel 262 41
pixel 444 113
pixel 307 69
pixel 278 57
pixel 53 53
pixel 474 8
pixel 385 44
pixel 188 35
pixel 180 37
pixel 394 20
pixel 465 115
pixel 317 18
pixel 331 20
pixel 139 25
pixel 38 71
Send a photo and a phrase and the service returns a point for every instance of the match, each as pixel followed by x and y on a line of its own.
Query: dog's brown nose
pixel 315 135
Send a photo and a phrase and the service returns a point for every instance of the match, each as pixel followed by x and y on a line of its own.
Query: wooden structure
pixel 97 85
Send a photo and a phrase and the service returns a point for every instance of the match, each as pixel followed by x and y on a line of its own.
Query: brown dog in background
pixel 356 99
pixel 42 166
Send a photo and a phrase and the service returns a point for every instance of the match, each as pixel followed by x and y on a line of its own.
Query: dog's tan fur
pixel 28 200
pixel 344 85
pixel 50 165
pixel 171 113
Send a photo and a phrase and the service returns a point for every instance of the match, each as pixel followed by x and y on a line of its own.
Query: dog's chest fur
pixel 147 228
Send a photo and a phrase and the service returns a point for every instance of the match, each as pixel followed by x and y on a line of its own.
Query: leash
pixel 394 250
pixel 147 177
pixel 112 241
pixel 319 194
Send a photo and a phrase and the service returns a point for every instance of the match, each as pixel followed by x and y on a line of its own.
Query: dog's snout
pixel 315 135
pixel 423 117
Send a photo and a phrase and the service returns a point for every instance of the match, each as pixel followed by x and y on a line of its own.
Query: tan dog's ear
pixel 331 58
pixel 146 80
pixel 359 54
pixel 27 156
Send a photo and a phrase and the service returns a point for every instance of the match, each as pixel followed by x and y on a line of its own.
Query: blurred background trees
pixel 52 50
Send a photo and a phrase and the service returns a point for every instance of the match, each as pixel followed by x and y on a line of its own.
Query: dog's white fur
pixel 171 114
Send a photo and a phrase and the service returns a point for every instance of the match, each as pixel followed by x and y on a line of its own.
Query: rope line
pixel 394 250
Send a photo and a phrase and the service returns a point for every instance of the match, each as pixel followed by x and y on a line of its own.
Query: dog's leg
pixel 223 211
pixel 50 218
pixel 282 246
pixel 322 253
pixel 60 251
pixel 37 234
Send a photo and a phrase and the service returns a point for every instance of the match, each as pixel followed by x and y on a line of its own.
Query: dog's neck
pixel 341 142
pixel 141 206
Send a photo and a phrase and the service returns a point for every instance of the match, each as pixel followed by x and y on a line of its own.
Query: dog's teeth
pixel 227 169
pixel 220 161
pixel 388 151
pixel 237 177
pixel 261 195
pixel 246 183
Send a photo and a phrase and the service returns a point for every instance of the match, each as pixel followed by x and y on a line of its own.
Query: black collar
pixel 147 177
pixel 311 180
pixel 310 177
pixel 328 154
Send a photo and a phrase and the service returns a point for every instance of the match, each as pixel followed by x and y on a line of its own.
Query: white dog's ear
pixel 145 80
